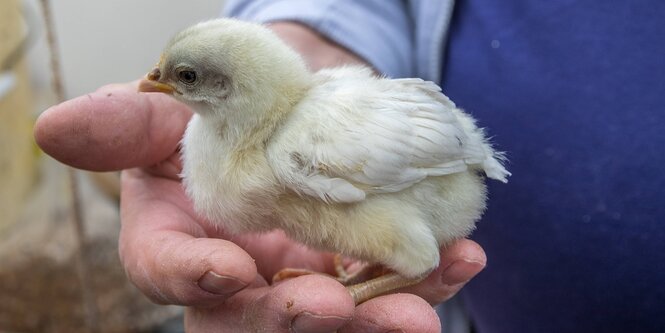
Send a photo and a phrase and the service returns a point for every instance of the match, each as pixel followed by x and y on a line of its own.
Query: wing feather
pixel 355 135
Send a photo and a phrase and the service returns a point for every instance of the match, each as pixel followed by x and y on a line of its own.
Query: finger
pixel 460 262
pixel 307 304
pixel 394 313
pixel 112 129
pixel 167 254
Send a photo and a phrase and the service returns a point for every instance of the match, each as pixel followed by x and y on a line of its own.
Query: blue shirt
pixel 574 91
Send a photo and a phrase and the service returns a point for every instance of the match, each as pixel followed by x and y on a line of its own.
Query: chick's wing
pixel 353 136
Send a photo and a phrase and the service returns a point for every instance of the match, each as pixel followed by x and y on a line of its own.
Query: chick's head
pixel 223 65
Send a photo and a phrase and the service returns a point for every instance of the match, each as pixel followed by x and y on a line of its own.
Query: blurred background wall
pixel 41 284
pixel 103 42
pixel 17 157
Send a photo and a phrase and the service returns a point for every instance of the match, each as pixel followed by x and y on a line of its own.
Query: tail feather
pixel 494 168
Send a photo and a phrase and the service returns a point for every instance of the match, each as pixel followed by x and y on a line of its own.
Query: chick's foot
pixel 360 272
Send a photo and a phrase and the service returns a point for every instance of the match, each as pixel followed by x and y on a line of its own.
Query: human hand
pixel 175 257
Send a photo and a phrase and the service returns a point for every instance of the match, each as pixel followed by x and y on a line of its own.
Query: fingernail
pixel 306 322
pixel 461 271
pixel 218 284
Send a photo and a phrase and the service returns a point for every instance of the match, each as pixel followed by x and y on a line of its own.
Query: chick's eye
pixel 187 76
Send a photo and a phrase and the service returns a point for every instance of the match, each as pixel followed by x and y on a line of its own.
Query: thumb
pixel 113 128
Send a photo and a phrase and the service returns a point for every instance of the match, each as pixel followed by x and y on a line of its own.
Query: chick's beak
pixel 151 83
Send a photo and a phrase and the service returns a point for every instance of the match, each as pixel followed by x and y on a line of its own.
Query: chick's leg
pixel 367 290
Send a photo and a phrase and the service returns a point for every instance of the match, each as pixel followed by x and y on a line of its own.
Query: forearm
pixel 317 51
pixel 333 32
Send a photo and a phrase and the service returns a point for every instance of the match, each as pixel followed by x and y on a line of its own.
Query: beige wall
pixel 17 153
pixel 114 41
pixel 100 42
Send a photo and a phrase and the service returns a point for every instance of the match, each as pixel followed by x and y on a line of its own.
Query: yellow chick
pixel 378 169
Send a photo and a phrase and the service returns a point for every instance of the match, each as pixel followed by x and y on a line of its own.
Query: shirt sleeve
pixel 379 31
